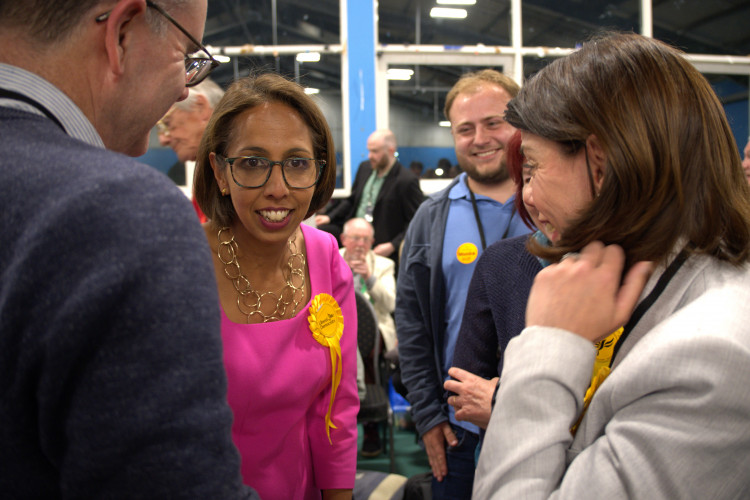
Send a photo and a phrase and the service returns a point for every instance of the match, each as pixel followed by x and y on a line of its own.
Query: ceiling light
pixel 310 91
pixel 222 58
pixel 399 73
pixel 308 57
pixel 449 13
pixel 456 2
pixel 444 123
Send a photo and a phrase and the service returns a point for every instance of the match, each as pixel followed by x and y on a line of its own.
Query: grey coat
pixel 670 421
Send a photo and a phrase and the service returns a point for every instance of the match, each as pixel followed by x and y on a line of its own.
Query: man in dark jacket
pixel 444 241
pixel 384 193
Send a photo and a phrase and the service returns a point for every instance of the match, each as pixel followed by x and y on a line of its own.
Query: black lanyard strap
pixel 479 220
pixel 9 94
pixel 644 306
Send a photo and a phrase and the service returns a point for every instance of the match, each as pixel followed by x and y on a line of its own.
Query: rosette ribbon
pixel 327 326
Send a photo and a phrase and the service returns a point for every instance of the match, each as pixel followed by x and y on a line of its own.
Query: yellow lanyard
pixel 604 350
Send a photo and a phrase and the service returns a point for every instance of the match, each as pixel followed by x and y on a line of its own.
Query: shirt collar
pixel 461 191
pixel 385 172
pixel 53 99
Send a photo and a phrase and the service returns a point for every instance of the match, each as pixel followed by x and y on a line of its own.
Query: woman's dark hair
pixel 245 94
pixel 672 173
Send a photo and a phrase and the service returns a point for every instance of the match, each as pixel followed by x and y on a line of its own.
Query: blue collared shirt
pixel 53 99
pixel 462 247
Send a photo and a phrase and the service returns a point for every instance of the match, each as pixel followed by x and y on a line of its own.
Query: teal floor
pixel 409 457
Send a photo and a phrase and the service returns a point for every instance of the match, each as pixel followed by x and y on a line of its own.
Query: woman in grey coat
pixel 635 173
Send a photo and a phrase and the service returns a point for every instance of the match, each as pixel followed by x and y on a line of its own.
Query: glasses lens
pixel 250 171
pixel 300 172
pixel 360 239
pixel 196 70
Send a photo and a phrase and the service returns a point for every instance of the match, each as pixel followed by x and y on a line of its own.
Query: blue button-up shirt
pixel 462 247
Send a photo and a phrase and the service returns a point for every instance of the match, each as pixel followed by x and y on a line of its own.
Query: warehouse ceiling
pixel 695 26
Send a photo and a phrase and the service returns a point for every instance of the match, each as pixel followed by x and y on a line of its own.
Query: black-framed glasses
pixel 359 238
pixel 254 171
pixel 196 68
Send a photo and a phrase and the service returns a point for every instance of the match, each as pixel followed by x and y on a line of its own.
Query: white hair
pixel 208 89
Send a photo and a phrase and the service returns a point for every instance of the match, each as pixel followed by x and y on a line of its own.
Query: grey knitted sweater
pixel 111 376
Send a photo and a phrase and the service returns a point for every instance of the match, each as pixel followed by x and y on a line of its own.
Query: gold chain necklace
pixel 248 300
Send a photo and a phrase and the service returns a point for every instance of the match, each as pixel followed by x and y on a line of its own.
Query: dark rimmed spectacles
pixel 196 68
pixel 254 171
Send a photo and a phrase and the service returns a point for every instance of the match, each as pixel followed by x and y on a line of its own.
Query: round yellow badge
pixel 467 253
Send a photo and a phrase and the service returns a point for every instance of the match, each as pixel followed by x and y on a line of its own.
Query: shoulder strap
pixel 644 306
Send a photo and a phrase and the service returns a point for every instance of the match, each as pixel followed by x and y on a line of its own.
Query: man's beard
pixel 381 165
pixel 496 176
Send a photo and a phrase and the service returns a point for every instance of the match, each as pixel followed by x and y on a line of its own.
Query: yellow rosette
pixel 327 326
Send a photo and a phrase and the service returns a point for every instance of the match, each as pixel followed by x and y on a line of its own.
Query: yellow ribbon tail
pixel 598 380
pixel 335 350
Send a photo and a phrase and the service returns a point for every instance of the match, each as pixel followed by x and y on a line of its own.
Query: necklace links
pixel 250 301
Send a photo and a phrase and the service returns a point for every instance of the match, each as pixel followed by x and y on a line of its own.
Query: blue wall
pixel 737 112
pixel 159 158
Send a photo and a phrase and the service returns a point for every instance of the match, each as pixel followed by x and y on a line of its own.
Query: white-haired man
pixel 182 128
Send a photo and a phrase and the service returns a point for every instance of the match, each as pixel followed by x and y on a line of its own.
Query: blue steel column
pixel 360 60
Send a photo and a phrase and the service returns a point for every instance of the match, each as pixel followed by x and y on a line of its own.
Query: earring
pixel 224 191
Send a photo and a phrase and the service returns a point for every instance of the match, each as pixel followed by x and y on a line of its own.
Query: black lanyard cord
pixel 9 94
pixel 479 220
pixel 644 306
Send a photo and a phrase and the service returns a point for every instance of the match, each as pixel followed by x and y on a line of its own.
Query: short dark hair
pixel 673 172
pixel 470 82
pixel 245 94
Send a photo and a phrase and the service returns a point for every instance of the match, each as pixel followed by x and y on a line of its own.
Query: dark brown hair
pixel 672 170
pixel 471 82
pixel 245 94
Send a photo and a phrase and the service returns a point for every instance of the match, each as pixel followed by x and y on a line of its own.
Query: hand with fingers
pixel 473 396
pixel 585 293
pixel 435 441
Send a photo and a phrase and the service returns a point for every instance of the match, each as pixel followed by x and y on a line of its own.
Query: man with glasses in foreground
pixel 111 375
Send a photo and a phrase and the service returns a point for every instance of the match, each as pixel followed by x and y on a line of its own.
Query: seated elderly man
pixel 373 277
